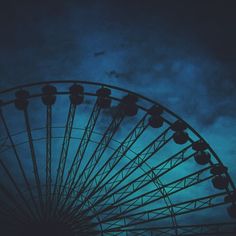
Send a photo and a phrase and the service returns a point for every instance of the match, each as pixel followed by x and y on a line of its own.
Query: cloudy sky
pixel 180 53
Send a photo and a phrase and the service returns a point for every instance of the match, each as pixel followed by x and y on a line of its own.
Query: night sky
pixel 179 53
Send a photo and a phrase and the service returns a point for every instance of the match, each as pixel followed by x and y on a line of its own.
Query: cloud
pixel 142 50
pixel 172 55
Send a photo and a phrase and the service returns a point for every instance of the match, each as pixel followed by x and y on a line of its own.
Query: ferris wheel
pixel 85 158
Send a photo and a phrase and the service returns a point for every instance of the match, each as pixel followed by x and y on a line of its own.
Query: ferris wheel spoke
pixel 19 161
pixel 130 167
pixel 201 229
pixel 16 187
pixel 209 229
pixel 33 158
pixel 3 143
pixel 142 200
pixel 74 169
pixel 163 212
pixel 16 207
pixel 5 209
pixel 151 175
pixel 159 170
pixel 133 165
pixel 64 152
pixel 48 155
pixel 82 221
pixel 9 214
pixel 83 145
pixel 117 155
pixel 96 156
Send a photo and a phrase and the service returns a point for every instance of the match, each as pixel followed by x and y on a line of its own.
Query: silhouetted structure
pixel 83 158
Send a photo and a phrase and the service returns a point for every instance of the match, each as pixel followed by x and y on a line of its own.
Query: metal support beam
pixel 152 175
pixel 97 154
pixel 48 157
pixel 132 165
pixel 148 177
pixel 64 152
pixel 197 230
pixel 116 157
pixel 161 213
pixel 28 187
pixel 74 169
pixel 18 212
pixel 33 158
pixel 125 205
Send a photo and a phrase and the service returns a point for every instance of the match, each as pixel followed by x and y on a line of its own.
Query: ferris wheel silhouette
pixel 85 158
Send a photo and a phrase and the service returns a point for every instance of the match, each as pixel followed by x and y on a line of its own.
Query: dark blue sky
pixel 180 53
